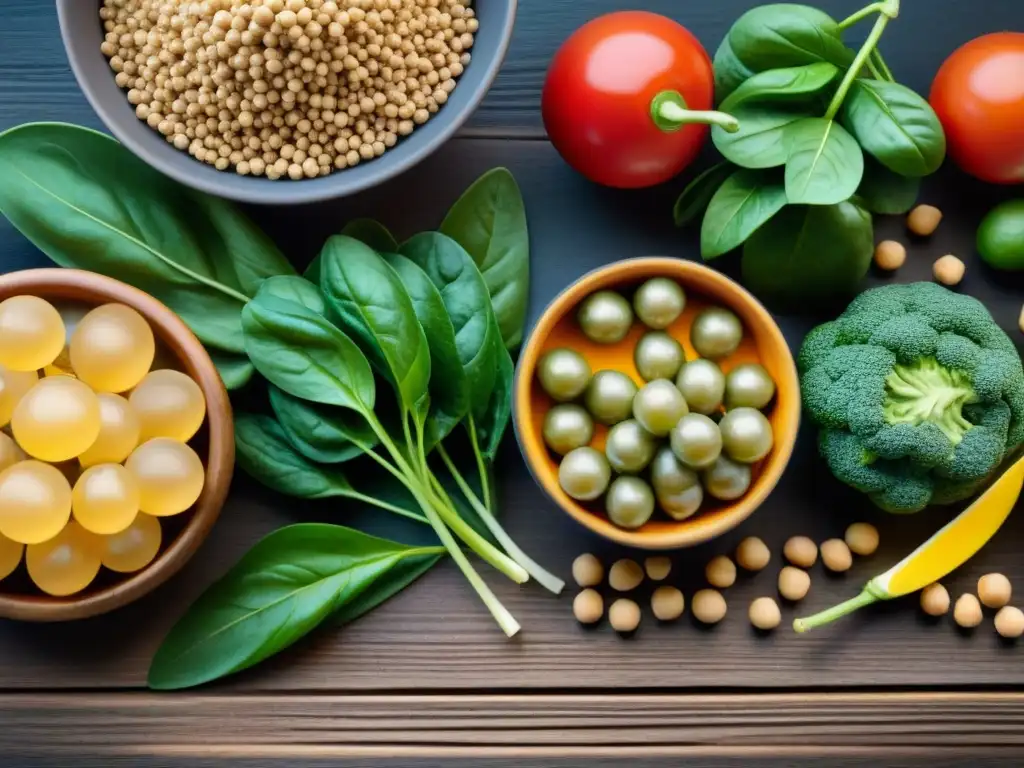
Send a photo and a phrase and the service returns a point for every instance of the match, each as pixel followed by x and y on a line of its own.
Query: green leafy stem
pixel 868 53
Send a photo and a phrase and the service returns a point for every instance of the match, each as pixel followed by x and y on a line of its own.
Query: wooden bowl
pixel 176 338
pixel 763 342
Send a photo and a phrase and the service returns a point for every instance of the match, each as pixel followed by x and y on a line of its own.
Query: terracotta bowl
pixel 763 342
pixel 215 444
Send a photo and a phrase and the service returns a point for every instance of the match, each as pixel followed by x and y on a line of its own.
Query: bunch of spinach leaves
pixel 826 138
pixel 380 352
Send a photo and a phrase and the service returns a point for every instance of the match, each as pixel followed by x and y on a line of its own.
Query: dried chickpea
pixel 1020 320
pixel 764 614
pixel 587 570
pixel 708 606
pixel 994 590
pixel 752 554
pixel 949 270
pixel 801 551
pixel 588 607
pixel 890 255
pixel 658 568
pixel 862 539
pixel 625 575
pixel 720 572
pixel 836 555
pixel 935 600
pixel 667 603
pixel 924 220
pixel 794 583
pixel 1010 622
pixel 624 615
pixel 967 611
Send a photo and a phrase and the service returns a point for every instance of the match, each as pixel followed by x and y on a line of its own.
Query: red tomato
pixel 978 95
pixel 618 98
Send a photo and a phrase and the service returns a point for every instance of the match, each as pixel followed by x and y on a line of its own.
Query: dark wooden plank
pixel 437 636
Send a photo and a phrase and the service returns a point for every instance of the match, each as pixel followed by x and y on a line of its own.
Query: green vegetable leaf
pixel 297 289
pixel 825 163
pixel 782 84
pixel 403 573
pixel 883 191
pixel 694 199
pixel 366 298
pixel 302 353
pixel 372 233
pixel 787 35
pixel 321 433
pixel 280 590
pixel 729 71
pixel 809 252
pixel 89 203
pixel 489 221
pixel 235 370
pixel 449 391
pixel 742 204
pixel 491 421
pixel 464 294
pixel 896 125
pixel 761 140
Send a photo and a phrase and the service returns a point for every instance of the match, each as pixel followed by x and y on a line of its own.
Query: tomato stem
pixel 670 113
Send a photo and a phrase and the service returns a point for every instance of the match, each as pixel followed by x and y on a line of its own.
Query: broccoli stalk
pixel 925 391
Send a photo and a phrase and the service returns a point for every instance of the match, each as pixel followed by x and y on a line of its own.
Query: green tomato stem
pixel 887 12
pixel 546 579
pixel 867 597
pixel 670 113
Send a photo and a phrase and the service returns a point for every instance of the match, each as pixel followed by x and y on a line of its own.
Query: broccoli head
pixel 918 392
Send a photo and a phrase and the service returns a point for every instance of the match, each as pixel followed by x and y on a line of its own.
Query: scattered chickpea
pixel 1010 622
pixel 764 614
pixel 862 539
pixel 801 551
pixel 967 611
pixel 935 600
pixel 836 555
pixel 752 554
pixel 720 572
pixel 708 606
pixel 949 270
pixel 667 603
pixel 994 590
pixel 890 255
pixel 924 220
pixel 1020 320
pixel 658 568
pixel 625 575
pixel 624 615
pixel 587 570
pixel 588 607
pixel 794 583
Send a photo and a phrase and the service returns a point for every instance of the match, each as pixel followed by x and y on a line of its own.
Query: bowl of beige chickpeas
pixel 284 101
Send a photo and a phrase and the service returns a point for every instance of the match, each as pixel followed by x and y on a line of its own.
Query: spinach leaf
pixel 403 573
pixel 302 353
pixel 489 222
pixel 694 199
pixel 761 140
pixel 883 191
pixel 742 204
pixel 321 433
pixel 297 289
pixel 895 125
pixel 372 233
pixel 265 453
pixel 809 252
pixel 235 370
pixel 729 71
pixel 787 35
pixel 784 84
pixel 87 202
pixel 449 391
pixel 280 590
pixel 825 163
pixel 465 297
pixel 366 297
pixel 491 421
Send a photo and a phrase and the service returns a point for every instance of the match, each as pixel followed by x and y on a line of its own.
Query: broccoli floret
pixel 918 392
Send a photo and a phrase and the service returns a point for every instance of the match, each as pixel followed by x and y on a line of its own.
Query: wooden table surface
pixel 428 680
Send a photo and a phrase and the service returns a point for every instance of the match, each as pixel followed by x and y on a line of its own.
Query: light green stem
pixel 887 12
pixel 867 597
pixel 882 66
pixel 863 13
pixel 481 468
pixel 355 495
pixel 876 73
pixel 547 579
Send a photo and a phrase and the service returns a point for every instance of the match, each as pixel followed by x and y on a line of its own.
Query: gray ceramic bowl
pixel 82 33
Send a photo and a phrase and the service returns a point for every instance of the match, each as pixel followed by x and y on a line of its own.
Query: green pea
pixel 629 447
pixel 630 502
pixel 703 385
pixel 746 435
pixel 605 317
pixel 726 479
pixel 716 333
pixel 748 385
pixel 563 374
pixel 609 397
pixel 584 474
pixel 659 406
pixel 696 440
pixel 659 302
pixel 567 426
pixel 658 356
